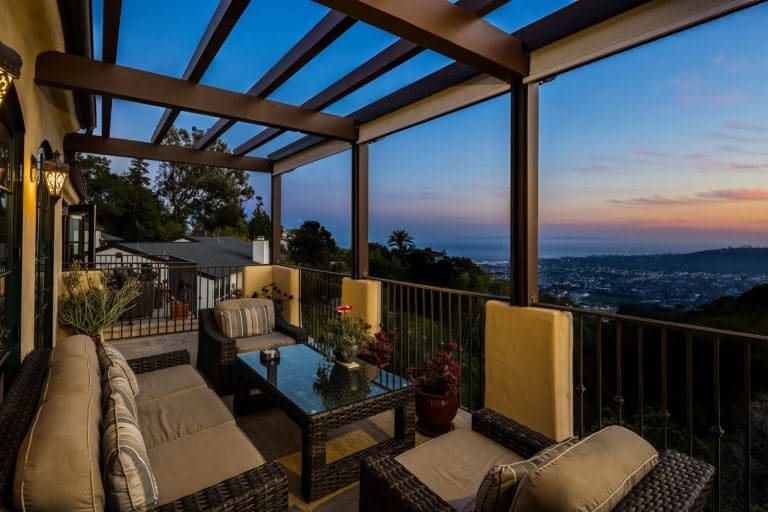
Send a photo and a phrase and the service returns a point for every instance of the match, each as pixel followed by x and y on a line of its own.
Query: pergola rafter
pixel 110 35
pixel 223 21
pixel 85 75
pixel 326 31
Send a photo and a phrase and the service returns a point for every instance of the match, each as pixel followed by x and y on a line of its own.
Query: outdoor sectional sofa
pixel 199 457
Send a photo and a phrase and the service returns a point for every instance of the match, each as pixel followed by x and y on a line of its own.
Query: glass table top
pixel 316 385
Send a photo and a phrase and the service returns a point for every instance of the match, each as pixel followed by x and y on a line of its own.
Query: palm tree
pixel 400 239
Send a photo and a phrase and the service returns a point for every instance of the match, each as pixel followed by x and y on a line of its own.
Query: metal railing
pixel 319 296
pixel 170 293
pixel 680 386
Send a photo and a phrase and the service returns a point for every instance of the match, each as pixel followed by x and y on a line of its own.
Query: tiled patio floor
pixel 278 438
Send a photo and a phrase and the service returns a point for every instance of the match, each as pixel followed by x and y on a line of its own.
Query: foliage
pixel 345 332
pixel 260 223
pixel 400 240
pixel 379 350
pixel 311 245
pixel 89 307
pixel 439 374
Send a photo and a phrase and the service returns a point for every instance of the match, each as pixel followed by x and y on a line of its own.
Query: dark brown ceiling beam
pixel 445 28
pixel 395 54
pixel 109 38
pixel 75 142
pixel 222 22
pixel 448 76
pixel 79 74
pixel 326 31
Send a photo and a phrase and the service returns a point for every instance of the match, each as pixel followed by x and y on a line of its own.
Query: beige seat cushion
pixel 594 474
pixel 181 414
pixel 454 464
pixel 188 465
pixel 254 343
pixel 167 381
pixel 245 303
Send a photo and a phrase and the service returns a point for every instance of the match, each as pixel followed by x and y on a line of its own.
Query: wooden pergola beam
pixel 392 56
pixel 326 31
pixel 75 142
pixel 445 28
pixel 74 73
pixel 222 22
pixel 110 35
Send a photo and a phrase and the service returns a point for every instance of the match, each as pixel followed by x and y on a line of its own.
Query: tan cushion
pixel 594 474
pixel 500 483
pixel 454 464
pixel 191 464
pixel 110 356
pixel 78 346
pixel 181 414
pixel 127 473
pixel 250 321
pixel 167 381
pixel 58 464
pixel 271 340
pixel 73 366
pixel 245 303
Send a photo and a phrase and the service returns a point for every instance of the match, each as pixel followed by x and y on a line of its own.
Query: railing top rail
pixel 441 289
pixel 662 324
pixel 316 270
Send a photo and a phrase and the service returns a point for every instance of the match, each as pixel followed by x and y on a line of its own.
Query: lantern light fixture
pixel 55 174
pixel 10 68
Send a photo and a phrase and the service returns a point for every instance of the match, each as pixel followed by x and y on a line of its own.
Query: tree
pixel 260 223
pixel 138 173
pixel 212 197
pixel 400 239
pixel 312 245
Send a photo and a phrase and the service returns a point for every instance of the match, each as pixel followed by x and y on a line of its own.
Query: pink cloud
pixel 747 127
pixel 646 152
pixel 712 196
pixel 741 194
pixel 654 200
pixel 689 100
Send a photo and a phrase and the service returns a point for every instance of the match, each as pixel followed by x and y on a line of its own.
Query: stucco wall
pixel 31 27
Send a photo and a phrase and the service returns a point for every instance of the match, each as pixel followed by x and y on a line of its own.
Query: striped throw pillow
pixel 127 477
pixel 497 490
pixel 109 356
pixel 251 321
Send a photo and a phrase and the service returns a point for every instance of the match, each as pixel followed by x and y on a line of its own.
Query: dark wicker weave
pixel 319 478
pixel 216 351
pixel 677 483
pixel 261 489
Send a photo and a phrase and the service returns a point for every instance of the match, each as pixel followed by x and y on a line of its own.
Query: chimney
pixel 261 250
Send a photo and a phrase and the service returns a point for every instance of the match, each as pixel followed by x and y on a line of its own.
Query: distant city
pixel 667 280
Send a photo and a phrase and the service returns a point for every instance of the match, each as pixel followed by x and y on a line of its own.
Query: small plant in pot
pixel 180 302
pixel 379 350
pixel 345 335
pixel 437 381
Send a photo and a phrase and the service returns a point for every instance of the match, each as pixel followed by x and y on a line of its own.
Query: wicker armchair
pixel 216 351
pixel 677 483
pixel 264 488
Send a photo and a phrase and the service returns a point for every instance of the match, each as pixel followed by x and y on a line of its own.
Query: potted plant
pixel 89 306
pixel 275 294
pixel 180 302
pixel 379 350
pixel 437 381
pixel 345 335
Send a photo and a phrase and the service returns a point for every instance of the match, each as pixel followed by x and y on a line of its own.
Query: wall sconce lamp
pixel 55 174
pixel 10 68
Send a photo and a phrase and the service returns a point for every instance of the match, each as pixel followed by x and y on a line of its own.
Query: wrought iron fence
pixel 679 386
pixel 319 295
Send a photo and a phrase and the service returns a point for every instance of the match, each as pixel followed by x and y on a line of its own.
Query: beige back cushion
pixel 245 303
pixel 110 357
pixel 594 474
pixel 529 367
pixel 58 464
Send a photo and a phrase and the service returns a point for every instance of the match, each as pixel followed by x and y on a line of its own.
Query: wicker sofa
pixel 217 351
pixel 677 483
pixel 200 459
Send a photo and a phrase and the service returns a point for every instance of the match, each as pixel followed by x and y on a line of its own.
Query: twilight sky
pixel 661 148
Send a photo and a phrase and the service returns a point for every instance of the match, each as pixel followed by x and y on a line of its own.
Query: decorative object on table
pixel 379 350
pixel 270 356
pixel 180 301
pixel 344 336
pixel 89 306
pixel 437 381
pixel 336 386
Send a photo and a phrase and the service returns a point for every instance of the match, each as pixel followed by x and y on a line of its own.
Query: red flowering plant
pixel 379 350
pixel 439 374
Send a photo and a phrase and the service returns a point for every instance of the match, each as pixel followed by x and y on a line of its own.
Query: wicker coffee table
pixel 320 396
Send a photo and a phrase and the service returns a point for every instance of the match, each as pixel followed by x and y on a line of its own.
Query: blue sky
pixel 664 147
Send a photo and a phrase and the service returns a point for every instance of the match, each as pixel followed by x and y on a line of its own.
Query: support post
pixel 524 194
pixel 359 211
pixel 277 230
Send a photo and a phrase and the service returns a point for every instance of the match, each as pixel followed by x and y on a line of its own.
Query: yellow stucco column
pixel 529 367
pixel 364 295
pixel 256 277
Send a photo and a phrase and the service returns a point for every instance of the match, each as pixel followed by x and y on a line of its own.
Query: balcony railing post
pixel 277 231
pixel 359 211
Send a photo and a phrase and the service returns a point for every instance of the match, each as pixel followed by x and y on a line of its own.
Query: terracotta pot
pixel 435 413
pixel 179 310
